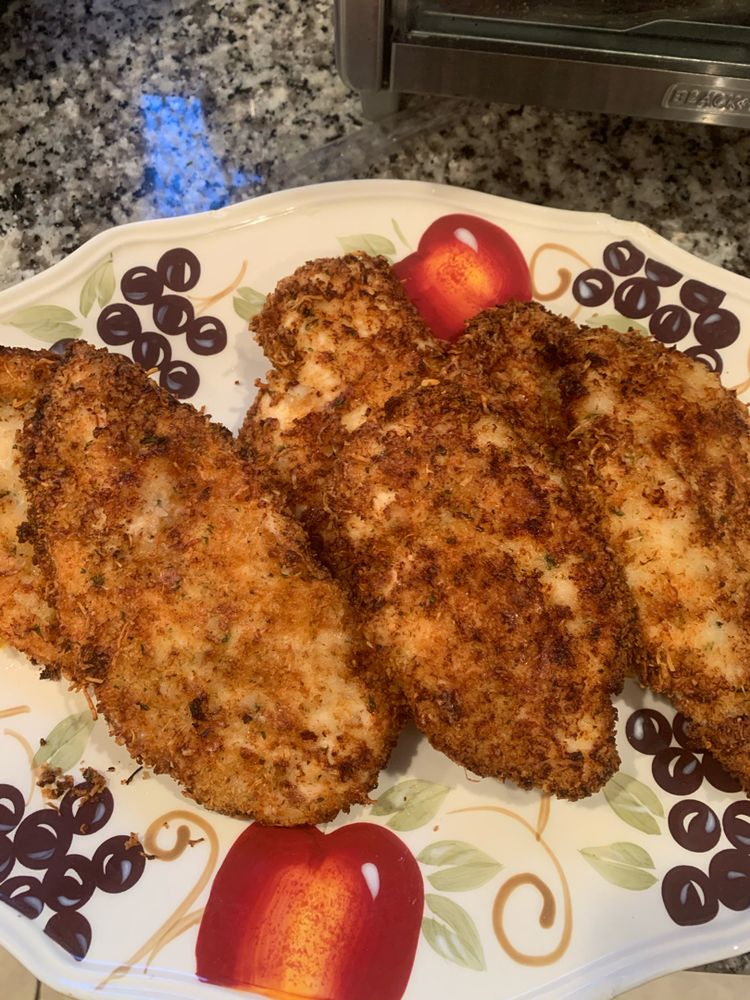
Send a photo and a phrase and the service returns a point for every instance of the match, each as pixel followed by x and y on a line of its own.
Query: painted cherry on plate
pixel 299 913
pixel 463 264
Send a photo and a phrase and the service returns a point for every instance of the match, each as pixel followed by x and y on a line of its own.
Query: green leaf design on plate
pixel 88 293
pixel 47 323
pixel 460 878
pixel 623 853
pixel 248 302
pixel 397 230
pixel 452 852
pixel 414 803
pixel 98 287
pixel 251 295
pixel 456 937
pixel 40 314
pixel 635 803
pixel 243 309
pixel 469 867
pixel 368 243
pixel 106 284
pixel 64 746
pixel 622 864
pixel 616 322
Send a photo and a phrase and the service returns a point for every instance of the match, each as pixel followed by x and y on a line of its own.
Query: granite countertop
pixel 112 112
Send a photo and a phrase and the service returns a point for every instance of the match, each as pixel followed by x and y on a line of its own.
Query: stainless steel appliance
pixel 688 61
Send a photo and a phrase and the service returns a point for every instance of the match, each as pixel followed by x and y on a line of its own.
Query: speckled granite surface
pixel 112 112
pixel 115 111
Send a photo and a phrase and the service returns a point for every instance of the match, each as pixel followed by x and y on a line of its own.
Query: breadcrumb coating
pixel 662 450
pixel 666 451
pixel 343 339
pixel 486 596
pixel 27 622
pixel 216 647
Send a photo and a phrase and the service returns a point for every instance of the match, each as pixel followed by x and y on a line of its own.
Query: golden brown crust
pixel 486 595
pixel 27 621
pixel 368 428
pixel 509 352
pixel 663 452
pixel 217 648
pixel 343 338
pixel 666 450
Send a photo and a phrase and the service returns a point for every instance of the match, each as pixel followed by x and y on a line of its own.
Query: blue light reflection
pixel 183 173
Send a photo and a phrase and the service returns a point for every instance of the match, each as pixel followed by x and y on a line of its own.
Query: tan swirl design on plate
pixel 179 920
pixel 563 273
pixel 206 301
pixel 8 713
pixel 20 738
pixel 549 906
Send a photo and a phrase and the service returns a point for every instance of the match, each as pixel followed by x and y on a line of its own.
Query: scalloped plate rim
pixel 257 210
pixel 695 952
pixel 677 948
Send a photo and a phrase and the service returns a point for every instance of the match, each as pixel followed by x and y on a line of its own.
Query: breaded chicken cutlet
pixel 491 600
pixel 215 646
pixel 27 622
pixel 343 338
pixel 485 595
pixel 664 452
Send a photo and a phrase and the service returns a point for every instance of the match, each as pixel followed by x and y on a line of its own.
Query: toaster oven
pixel 673 60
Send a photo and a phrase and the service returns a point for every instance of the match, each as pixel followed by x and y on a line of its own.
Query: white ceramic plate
pixel 523 896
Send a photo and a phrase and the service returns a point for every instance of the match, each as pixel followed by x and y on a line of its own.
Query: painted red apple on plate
pixel 298 913
pixel 463 264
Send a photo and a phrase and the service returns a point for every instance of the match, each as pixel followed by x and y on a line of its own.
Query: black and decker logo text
pixel 714 99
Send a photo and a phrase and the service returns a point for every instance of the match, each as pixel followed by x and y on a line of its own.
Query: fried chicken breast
pixel 343 338
pixel 216 647
pixel 27 621
pixel 484 593
pixel 666 452
pixel 484 590
pixel 663 452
